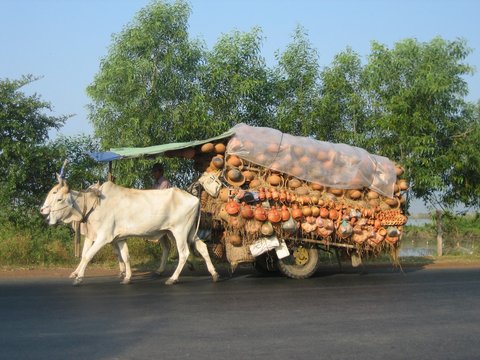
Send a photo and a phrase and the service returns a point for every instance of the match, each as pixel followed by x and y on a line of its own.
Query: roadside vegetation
pixel 156 85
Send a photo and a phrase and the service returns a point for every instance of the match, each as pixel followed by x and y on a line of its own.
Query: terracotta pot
pixel 274 216
pixel 315 211
pixel 224 194
pixel 260 213
pixel 316 186
pixel 246 211
pixel 274 180
pixel 372 195
pixel 234 160
pixel 333 214
pixel 217 162
pixel 307 211
pixel 294 183
pixel 285 213
pixel 403 184
pixel 354 194
pixel 219 148
pixel 234 239
pixel 266 229
pixel 206 148
pixel 232 207
pixel 254 183
pixel 324 212
pixel 296 212
pixel 336 192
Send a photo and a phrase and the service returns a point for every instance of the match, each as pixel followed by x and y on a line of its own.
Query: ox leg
pixel 87 244
pixel 97 245
pixel 125 256
pixel 183 253
pixel 121 262
pixel 203 250
pixel 165 245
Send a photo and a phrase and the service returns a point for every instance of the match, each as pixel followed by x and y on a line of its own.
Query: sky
pixel 63 41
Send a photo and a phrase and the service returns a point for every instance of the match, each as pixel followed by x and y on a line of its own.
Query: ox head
pixel 59 203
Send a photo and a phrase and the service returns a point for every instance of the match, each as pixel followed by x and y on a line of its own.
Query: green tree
pixel 235 82
pixel 343 108
pixel 147 86
pixel 296 81
pixel 27 163
pixel 416 91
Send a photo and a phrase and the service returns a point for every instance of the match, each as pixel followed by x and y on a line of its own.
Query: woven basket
pixel 238 254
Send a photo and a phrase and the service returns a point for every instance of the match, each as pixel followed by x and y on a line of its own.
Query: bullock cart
pixel 277 200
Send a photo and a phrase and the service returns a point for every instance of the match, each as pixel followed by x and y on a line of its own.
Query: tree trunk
pixel 439 215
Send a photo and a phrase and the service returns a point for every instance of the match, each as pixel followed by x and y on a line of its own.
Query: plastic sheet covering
pixel 333 165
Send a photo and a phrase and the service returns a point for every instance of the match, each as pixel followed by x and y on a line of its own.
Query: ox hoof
pixel 77 281
pixel 215 277
pixel 73 275
pixel 170 281
pixel 125 281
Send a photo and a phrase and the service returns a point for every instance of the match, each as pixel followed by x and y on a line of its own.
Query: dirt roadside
pixel 63 272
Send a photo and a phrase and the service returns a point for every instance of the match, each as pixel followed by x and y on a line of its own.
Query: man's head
pixel 157 170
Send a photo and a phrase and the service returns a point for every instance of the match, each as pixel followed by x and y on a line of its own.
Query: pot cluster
pixel 289 207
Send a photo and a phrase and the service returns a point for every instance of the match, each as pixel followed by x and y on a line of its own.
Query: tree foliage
pixel 24 154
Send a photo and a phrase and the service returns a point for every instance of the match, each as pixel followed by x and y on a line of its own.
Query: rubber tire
pixel 300 271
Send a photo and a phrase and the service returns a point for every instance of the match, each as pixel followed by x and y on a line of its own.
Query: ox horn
pixel 62 170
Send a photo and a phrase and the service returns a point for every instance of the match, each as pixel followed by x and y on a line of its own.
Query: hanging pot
pixel 232 207
pixel 285 213
pixel 274 216
pixel 246 212
pixel 296 212
pixel 266 229
pixel 260 213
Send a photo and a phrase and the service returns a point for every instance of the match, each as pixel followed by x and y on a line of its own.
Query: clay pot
pixel 303 190
pixel 274 216
pixel 260 213
pixel 254 183
pixel 324 212
pixel 307 211
pixel 219 148
pixel 294 183
pixel 403 184
pixel 224 194
pixel 246 212
pixel 232 207
pixel 248 175
pixel 333 214
pixel 296 212
pixel 392 240
pixel 391 202
pixel 234 160
pixel 285 213
pixel 372 195
pixel 354 194
pixel 266 229
pixel 336 192
pixel 217 162
pixel 316 186
pixel 297 171
pixel 234 239
pixel 399 170
pixel 315 211
pixel 207 148
pixel 344 230
pixel 274 180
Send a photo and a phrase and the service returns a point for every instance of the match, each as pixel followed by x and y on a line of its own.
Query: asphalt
pixel 375 313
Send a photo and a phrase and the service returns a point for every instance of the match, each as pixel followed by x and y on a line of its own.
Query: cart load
pixel 269 190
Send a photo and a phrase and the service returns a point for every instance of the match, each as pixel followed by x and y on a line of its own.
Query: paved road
pixel 384 314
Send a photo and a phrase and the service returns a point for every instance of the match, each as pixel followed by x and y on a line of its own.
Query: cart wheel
pixel 266 264
pixel 301 264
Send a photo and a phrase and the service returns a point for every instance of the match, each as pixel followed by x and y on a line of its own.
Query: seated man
pixel 160 182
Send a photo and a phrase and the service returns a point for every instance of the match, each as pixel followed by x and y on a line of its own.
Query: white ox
pixel 112 213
